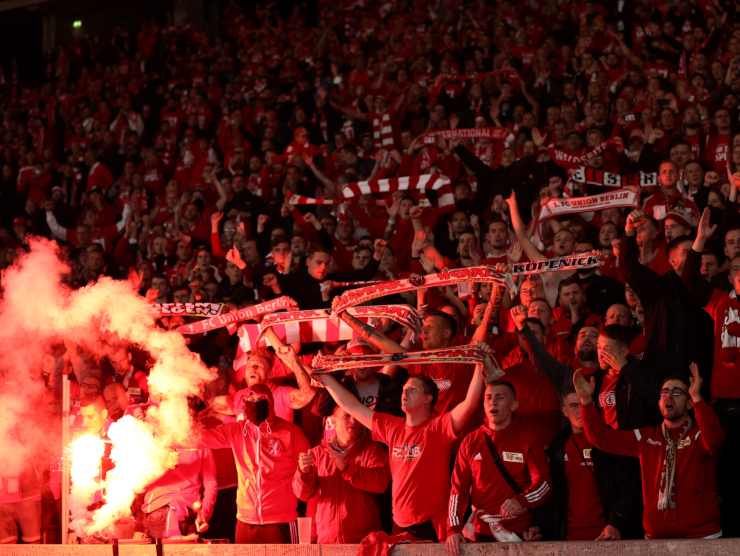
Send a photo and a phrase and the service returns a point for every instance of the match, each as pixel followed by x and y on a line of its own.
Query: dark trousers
pixel 273 533
pixel 728 412
pixel 423 531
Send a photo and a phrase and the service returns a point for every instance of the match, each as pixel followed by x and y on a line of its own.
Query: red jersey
pixel 476 480
pixel 716 151
pixel 420 466
pixel 99 176
pixel 695 513
pixel 659 204
pixel 585 512
pixel 608 399
pixel 725 310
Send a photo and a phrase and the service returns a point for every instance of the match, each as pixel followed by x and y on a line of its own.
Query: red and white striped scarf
pixel 414 282
pixel 353 191
pixel 318 325
pixel 470 353
pixel 383 131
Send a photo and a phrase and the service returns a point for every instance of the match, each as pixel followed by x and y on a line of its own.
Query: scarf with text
pixel 196 309
pixel 414 282
pixel 466 354
pixel 570 161
pixel 493 133
pixel 594 176
pixel 622 198
pixel 318 325
pixel 246 313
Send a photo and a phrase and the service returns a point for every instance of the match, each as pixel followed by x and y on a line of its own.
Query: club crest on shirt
pixel 408 452
pixel 608 399
pixel 274 447
pixel 587 453
pixel 513 457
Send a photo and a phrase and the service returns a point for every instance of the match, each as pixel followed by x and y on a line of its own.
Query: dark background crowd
pixel 170 152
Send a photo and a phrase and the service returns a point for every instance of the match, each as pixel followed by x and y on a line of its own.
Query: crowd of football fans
pixel 175 155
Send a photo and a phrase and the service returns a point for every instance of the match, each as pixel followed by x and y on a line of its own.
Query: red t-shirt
pixel 608 399
pixel 420 465
pixel 585 512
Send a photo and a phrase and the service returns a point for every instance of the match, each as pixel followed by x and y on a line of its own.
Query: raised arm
pixel 521 230
pixel 712 435
pixel 301 396
pixel 624 443
pixel 462 412
pixel 371 335
pixel 347 401
pixel 481 332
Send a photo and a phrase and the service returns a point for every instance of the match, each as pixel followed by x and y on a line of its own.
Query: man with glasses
pixel 678 457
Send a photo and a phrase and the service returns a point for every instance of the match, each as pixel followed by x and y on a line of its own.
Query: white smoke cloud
pixel 38 311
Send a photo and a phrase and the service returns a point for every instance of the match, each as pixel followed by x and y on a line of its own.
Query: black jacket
pixel 677 330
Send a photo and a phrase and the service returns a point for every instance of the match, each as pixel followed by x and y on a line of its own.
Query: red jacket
pixel 696 514
pixel 266 458
pixel 346 508
pixel 725 310
pixel 476 480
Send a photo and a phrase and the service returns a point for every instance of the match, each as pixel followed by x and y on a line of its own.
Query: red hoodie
pixel 346 508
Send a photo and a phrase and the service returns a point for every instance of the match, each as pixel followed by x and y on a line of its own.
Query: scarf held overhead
pixel 622 198
pixel 195 309
pixel 416 281
pixel 245 313
pixel 470 353
pixel 353 191
pixel 594 176
pixel 318 325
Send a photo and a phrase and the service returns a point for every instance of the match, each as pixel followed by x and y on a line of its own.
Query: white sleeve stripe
pixel 538 494
pixel 452 509
pixel 638 434
pixel 536 491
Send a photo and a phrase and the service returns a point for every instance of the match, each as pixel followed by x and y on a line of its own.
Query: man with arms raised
pixel 419 445
pixel 678 458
